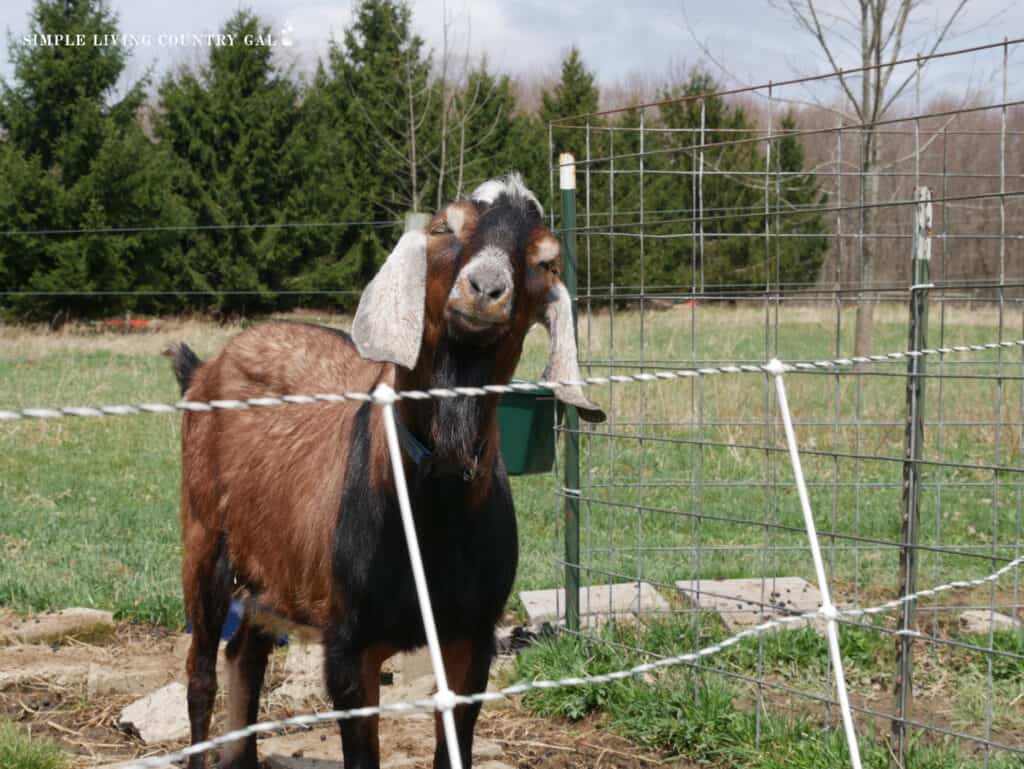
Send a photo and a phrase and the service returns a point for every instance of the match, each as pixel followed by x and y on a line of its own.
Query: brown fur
pixel 272 477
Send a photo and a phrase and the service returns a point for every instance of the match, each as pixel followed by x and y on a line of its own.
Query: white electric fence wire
pixel 444 699
pixel 492 389
pixel 405 708
pixel 828 610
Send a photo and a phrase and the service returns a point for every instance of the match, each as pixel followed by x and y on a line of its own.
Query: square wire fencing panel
pixel 729 229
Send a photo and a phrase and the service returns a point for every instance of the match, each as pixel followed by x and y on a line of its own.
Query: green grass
pixel 710 719
pixel 19 751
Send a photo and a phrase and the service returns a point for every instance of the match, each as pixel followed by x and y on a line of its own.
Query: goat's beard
pixel 458 422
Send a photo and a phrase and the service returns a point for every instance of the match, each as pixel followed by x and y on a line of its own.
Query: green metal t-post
pixel 567 185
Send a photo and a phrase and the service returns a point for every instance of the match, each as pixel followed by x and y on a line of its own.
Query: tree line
pixel 237 186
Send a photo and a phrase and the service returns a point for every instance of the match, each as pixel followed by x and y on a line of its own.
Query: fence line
pixel 491 389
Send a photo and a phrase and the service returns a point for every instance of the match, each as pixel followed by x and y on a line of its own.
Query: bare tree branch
pixel 939 39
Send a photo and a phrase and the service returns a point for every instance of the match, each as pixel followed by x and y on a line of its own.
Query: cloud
pixel 616 38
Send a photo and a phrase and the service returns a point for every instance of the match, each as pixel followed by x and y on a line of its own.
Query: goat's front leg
pixel 466 664
pixel 353 681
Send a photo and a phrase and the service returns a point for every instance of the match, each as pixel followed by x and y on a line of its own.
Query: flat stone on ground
pixel 304 660
pixel 160 716
pixel 979 621
pixel 33 663
pixel 627 600
pixel 409 691
pixel 739 601
pixel 304 676
pixel 82 624
pixel 412 665
pixel 137 679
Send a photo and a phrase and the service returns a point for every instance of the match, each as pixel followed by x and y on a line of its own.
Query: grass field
pixel 90 505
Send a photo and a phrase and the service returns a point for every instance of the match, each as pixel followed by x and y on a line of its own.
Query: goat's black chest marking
pixel 469 552
pixel 430 466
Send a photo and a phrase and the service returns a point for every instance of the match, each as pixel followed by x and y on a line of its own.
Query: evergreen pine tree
pixel 391 112
pixel 58 104
pixel 76 158
pixel 800 258
pixel 321 166
pixel 575 94
pixel 229 123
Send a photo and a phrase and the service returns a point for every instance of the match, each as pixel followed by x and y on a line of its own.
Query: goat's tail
pixel 184 362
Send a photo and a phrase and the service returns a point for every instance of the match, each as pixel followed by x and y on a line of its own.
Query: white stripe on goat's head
pixel 479 276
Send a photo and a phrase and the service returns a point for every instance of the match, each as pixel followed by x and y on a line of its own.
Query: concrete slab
pixel 739 601
pixel 627 600
pixel 53 627
pixel 980 620
pixel 160 716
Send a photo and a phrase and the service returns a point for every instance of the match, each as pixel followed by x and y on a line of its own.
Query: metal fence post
pixel 913 448
pixel 567 185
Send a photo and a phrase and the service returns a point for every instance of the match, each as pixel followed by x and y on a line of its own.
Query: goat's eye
pixel 440 228
pixel 549 266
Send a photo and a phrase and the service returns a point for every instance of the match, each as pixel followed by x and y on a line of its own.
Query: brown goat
pixel 294 508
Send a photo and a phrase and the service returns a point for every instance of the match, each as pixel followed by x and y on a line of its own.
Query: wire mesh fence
pixel 707 240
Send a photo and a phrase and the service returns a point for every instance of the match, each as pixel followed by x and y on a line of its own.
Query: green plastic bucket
pixel 526 421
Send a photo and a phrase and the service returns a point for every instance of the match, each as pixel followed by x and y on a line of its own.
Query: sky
pixel 744 42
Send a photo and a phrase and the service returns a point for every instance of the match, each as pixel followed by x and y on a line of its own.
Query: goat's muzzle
pixel 479 305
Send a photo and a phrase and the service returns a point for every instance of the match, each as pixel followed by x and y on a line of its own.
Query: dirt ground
pixel 73 693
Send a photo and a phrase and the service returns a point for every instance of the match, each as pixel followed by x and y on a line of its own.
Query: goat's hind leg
pixel 246 655
pixel 207 588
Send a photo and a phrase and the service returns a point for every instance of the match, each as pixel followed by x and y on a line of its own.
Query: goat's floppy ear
pixel 388 325
pixel 562 364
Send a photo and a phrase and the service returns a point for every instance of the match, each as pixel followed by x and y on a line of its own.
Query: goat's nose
pixel 488 286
